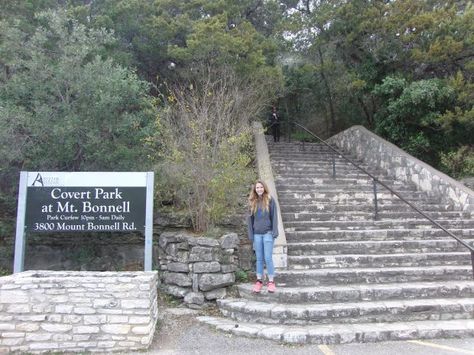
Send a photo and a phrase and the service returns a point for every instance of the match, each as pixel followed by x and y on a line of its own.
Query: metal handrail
pixel 376 180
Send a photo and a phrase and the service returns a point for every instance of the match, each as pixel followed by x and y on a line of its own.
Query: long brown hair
pixel 254 201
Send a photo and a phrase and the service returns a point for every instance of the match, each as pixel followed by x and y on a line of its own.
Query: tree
pixel 206 151
pixel 411 116
pixel 65 107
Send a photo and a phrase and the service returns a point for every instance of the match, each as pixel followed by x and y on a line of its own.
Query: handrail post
pixel 289 130
pixel 333 165
pixel 375 199
pixel 472 263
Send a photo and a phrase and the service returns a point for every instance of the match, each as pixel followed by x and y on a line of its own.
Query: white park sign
pixel 84 202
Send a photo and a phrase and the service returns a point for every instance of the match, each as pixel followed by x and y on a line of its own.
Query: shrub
pixel 206 152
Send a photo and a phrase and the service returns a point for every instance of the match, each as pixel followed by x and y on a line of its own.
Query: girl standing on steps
pixel 263 230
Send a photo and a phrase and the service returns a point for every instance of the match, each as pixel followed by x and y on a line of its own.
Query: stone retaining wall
pixel 197 269
pixel 265 172
pixel 378 153
pixel 57 311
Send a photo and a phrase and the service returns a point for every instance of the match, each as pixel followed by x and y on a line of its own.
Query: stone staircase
pixel 351 278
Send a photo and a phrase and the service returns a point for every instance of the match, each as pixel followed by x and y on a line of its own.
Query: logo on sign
pixel 39 180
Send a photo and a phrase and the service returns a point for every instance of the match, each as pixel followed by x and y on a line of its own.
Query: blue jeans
pixel 263 246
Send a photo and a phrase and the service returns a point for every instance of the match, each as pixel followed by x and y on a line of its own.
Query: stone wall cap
pixel 203 241
pixel 44 275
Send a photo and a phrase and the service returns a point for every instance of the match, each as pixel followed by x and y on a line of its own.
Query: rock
pixel 166 238
pixel 195 282
pixel 209 282
pixel 229 241
pixel 178 279
pixel 194 298
pixel 178 267
pixel 201 254
pixel 171 249
pixel 205 242
pixel 204 267
pixel 175 290
pixel 215 294
pixel 228 268
pixel 183 246
pixel 182 256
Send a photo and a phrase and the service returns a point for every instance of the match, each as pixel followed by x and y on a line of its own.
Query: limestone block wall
pixel 400 165
pixel 265 172
pixel 197 269
pixel 58 311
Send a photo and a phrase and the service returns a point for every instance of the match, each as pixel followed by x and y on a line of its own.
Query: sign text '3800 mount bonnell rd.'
pixel 58 202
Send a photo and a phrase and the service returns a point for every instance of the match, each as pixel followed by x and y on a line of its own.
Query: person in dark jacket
pixel 263 230
pixel 274 120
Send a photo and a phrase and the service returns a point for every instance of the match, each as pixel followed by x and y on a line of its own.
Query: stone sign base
pixel 59 311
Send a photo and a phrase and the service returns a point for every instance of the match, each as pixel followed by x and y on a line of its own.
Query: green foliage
pixel 242 276
pixel 403 68
pixel 459 163
pixel 170 300
pixel 63 106
pixel 411 113
pixel 303 136
pixel 74 109
pixel 205 155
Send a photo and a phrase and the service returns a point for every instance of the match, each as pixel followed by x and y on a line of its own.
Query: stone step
pixel 375 234
pixel 316 160
pixel 360 293
pixel 327 173
pixel 286 146
pixel 373 275
pixel 328 178
pixel 386 207
pixel 310 158
pixel 317 166
pixel 337 190
pixel 322 171
pixel 348 312
pixel 321 195
pixel 310 180
pixel 363 200
pixel 376 247
pixel 295 149
pixel 359 215
pixel 320 153
pixel 305 262
pixel 375 224
pixel 342 190
pixel 346 333
pixel 298 149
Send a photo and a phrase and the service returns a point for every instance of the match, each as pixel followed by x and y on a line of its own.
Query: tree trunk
pixel 368 114
pixel 332 116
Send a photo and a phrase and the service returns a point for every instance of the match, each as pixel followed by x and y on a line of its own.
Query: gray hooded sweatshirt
pixel 263 221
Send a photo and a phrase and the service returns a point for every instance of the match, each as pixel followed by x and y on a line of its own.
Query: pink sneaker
pixel 258 286
pixel 271 286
